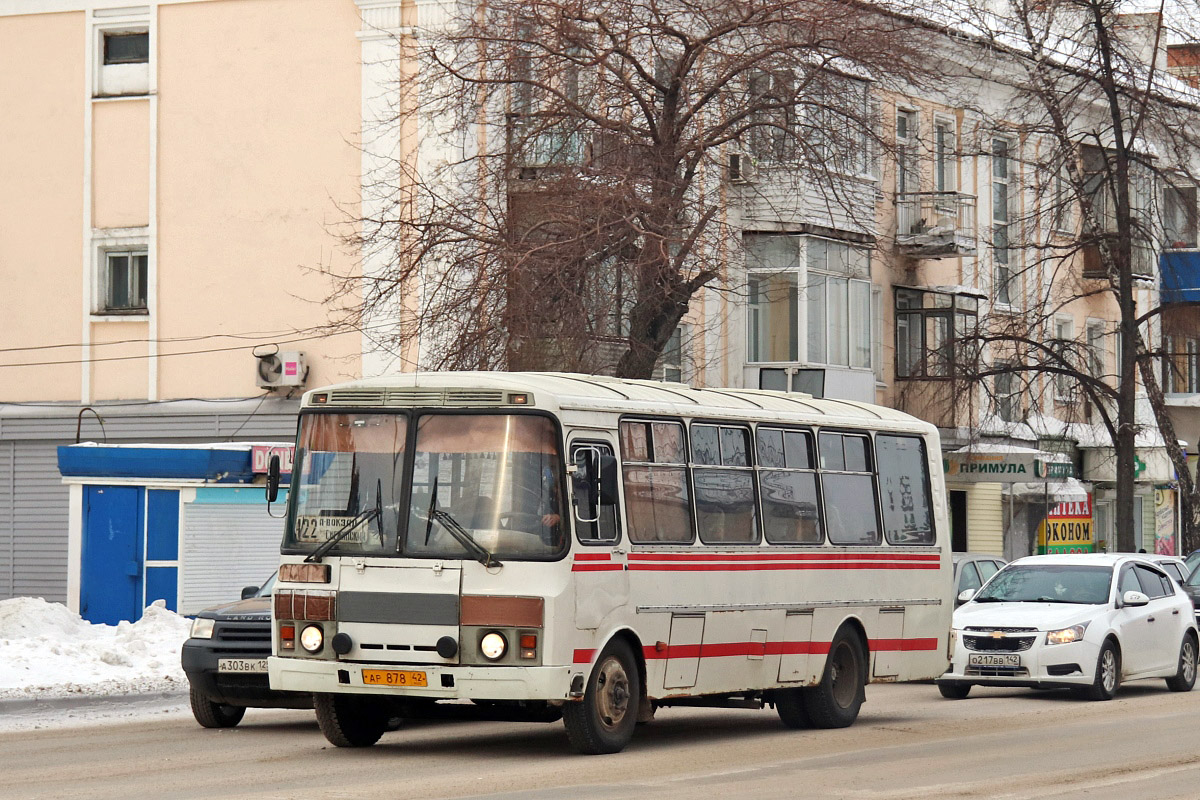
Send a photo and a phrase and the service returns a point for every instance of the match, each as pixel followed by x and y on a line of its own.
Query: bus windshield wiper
pixel 481 553
pixel 343 532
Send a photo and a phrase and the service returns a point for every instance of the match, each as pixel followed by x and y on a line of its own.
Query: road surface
pixel 908 743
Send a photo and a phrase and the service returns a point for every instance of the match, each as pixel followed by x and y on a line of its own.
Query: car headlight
pixel 312 638
pixel 1066 635
pixel 202 628
pixel 493 646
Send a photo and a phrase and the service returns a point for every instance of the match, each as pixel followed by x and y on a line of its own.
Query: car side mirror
pixel 965 596
pixel 249 591
pixel 1134 599
pixel 273 479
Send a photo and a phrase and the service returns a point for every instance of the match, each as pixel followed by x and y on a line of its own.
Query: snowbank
pixel 48 651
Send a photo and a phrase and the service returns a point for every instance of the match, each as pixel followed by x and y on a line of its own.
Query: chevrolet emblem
pixel 997 634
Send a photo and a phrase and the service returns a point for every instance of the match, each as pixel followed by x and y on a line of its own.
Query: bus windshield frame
pixel 499 477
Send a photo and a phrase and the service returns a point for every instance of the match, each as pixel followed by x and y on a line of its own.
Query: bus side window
pixel 594 504
pixel 654 472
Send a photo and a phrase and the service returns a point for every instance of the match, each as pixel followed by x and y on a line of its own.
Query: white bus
pixel 563 545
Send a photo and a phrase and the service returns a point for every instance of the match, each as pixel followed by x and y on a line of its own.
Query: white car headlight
pixel 312 638
pixel 493 646
pixel 202 628
pixel 1066 635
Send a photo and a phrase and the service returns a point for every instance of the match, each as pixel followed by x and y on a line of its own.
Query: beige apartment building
pixel 178 176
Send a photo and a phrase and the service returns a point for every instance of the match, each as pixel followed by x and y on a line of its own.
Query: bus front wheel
pixel 349 721
pixel 835 701
pixel 603 721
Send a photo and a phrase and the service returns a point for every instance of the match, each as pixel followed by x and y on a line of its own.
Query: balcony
pixel 1180 276
pixel 935 224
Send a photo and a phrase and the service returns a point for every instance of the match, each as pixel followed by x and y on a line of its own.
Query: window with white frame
pixel 124 277
pixel 1097 357
pixel 945 156
pixel 1002 266
pixel 1063 200
pixel 1064 335
pixel 122 59
pixel 906 151
pixel 831 277
pixel 838 116
pixel 1007 398
pixel 671 364
pixel 1179 217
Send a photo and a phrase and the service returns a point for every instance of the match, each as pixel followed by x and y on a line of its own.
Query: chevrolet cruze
pixel 1087 622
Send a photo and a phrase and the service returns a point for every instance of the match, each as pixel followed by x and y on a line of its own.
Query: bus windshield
pixel 347 480
pixel 497 477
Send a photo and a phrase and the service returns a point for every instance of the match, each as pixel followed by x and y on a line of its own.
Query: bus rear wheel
pixel 604 721
pixel 349 721
pixel 835 701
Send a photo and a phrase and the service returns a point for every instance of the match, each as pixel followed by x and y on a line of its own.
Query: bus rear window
pixel 904 489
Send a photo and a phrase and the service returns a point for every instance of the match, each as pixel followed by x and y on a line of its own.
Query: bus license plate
pixel 241 665
pixel 989 660
pixel 393 677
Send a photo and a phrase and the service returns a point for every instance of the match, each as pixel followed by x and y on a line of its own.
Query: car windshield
pixel 347 480
pixel 486 486
pixel 1193 578
pixel 1048 583
pixel 267 588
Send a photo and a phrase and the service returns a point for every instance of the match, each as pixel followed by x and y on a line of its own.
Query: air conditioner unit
pixel 740 168
pixel 281 369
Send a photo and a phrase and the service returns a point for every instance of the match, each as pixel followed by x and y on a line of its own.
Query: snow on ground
pixel 53 663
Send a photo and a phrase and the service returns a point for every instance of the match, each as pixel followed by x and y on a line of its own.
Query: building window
pixel 839 304
pixel 945 157
pixel 671 363
pixel 125 274
pixel 1182 365
pixel 1064 335
pixel 906 152
pixel 1006 397
pixel 837 300
pixel 1095 348
pixel 1179 217
pixel 1001 208
pixel 933 332
pixel 127 48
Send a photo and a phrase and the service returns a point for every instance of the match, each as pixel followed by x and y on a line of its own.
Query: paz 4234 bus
pixel 551 545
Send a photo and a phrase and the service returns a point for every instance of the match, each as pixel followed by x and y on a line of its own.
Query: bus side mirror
pixel 273 479
pixel 608 480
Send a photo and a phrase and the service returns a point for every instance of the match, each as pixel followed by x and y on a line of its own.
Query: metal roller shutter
pixel 225 547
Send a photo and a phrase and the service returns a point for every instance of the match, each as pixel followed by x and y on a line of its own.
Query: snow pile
pixel 48 651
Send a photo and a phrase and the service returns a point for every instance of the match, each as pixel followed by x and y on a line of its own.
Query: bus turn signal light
pixel 287 637
pixel 528 645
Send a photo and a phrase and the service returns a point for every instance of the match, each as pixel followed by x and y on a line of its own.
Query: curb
pixel 21 704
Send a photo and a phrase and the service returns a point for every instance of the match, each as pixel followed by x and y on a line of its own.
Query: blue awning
pixel 215 464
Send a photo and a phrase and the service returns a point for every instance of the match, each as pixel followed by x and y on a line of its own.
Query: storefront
pixel 1155 513
pixel 186 524
pixel 1016 497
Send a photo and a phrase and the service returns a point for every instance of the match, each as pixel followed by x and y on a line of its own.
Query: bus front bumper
pixel 441 682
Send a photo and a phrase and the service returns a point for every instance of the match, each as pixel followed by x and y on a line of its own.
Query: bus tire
pixel 604 720
pixel 789 703
pixel 835 701
pixel 348 721
pixel 213 715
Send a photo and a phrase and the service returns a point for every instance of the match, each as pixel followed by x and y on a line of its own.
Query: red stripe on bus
pixel 729 649
pixel 864 565
pixel 593 557
pixel 597 567
pixel 823 556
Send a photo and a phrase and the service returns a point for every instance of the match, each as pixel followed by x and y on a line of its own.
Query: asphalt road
pixel 908 743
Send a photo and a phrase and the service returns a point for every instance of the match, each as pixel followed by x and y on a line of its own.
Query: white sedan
pixel 1086 622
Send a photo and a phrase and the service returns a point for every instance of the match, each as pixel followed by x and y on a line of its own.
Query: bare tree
pixel 561 193
pixel 1100 128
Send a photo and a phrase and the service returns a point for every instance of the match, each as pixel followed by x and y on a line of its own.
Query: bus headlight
pixel 493 646
pixel 312 638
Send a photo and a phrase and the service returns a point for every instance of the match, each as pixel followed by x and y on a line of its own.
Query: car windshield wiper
pixel 991 599
pixel 343 532
pixel 481 553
